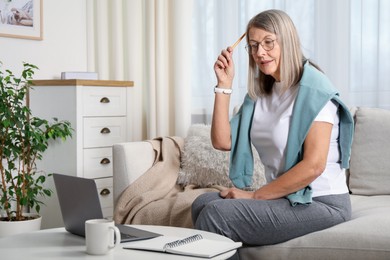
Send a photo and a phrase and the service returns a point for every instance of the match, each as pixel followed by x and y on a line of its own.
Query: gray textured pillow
pixel 370 155
pixel 203 165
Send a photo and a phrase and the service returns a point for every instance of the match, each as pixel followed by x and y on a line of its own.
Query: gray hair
pixel 291 59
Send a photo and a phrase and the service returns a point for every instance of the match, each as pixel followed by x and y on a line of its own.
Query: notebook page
pixel 205 248
pixel 154 244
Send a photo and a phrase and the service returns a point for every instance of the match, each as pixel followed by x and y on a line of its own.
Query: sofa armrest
pixel 130 161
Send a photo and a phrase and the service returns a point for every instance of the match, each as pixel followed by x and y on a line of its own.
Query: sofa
pixel 365 236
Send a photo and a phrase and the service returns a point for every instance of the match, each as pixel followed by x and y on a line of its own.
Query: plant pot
pixel 8 228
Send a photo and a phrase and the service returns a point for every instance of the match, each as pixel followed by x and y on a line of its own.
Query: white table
pixel 58 244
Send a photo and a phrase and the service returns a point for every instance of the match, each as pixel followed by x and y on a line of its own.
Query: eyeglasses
pixel 267 44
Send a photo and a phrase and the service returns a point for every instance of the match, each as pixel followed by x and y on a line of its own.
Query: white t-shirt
pixel 269 132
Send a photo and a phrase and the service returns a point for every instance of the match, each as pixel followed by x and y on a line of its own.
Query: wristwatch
pixel 226 91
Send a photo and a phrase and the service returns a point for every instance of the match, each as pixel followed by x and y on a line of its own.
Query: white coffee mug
pixel 99 236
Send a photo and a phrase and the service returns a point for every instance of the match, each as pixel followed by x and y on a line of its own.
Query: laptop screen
pixel 79 201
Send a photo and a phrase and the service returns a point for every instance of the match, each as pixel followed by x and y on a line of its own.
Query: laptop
pixel 79 201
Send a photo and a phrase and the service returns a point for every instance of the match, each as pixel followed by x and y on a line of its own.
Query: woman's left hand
pixel 234 193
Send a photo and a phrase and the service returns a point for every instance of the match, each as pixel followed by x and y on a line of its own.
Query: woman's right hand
pixel 224 68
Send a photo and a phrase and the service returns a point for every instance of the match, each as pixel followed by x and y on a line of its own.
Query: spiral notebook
pixel 194 245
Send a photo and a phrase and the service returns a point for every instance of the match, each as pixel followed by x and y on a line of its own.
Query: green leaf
pixel 47 192
pixel 23 201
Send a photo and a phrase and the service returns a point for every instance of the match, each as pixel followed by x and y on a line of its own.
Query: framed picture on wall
pixel 21 19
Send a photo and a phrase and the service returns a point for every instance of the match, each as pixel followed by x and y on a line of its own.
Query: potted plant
pixel 23 140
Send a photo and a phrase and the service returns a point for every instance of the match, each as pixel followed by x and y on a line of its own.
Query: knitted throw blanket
pixel 155 198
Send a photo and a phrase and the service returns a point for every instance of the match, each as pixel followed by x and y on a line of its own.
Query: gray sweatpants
pixel 264 222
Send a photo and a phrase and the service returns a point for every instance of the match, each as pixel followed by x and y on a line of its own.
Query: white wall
pixel 64 44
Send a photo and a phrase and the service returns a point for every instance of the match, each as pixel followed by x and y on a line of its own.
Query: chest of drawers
pixel 97 111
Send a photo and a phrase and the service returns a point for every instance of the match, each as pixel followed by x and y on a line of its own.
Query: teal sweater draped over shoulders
pixel 315 90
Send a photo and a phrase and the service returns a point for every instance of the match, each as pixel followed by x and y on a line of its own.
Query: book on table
pixel 194 245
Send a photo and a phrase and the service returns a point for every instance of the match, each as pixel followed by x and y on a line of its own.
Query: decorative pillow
pixel 203 165
pixel 369 172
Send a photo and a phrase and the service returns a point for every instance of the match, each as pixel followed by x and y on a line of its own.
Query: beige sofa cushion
pixel 203 165
pixel 370 156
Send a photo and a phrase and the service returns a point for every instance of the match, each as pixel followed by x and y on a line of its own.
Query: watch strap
pixel 226 91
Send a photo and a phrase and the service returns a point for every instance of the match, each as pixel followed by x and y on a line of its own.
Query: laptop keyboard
pixel 126 236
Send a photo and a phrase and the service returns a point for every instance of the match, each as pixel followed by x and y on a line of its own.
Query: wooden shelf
pixel 82 82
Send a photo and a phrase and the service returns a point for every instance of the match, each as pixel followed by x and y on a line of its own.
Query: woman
pixel 301 130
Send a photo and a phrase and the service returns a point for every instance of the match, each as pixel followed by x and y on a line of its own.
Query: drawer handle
pixel 105 161
pixel 105 100
pixel 105 131
pixel 105 192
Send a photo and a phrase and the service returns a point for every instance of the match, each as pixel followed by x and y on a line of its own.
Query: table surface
pixel 58 244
